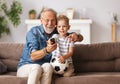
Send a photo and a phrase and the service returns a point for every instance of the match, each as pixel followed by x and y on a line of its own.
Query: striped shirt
pixel 63 45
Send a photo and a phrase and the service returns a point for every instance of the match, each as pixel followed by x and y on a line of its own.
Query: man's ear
pixel 69 27
pixel 40 20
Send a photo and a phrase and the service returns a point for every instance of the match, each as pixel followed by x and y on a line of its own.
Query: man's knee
pixel 47 67
pixel 36 68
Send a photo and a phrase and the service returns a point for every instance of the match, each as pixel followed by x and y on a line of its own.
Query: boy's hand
pixel 61 59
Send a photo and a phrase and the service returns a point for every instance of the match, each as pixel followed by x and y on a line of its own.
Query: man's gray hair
pixel 46 10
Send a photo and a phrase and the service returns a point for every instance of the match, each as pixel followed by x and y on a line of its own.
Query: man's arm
pixel 80 37
pixel 75 37
pixel 39 54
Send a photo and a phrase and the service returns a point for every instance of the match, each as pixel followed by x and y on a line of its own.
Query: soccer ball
pixel 59 68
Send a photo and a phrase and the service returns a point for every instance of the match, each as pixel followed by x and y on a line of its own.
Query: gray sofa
pixel 94 64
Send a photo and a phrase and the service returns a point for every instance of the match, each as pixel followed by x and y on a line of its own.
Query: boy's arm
pixel 68 55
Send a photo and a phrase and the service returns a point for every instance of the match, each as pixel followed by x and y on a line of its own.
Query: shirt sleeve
pixel 72 44
pixel 31 40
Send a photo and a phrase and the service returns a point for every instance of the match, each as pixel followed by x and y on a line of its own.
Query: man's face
pixel 49 21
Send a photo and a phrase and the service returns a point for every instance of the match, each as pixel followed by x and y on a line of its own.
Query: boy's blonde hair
pixel 63 17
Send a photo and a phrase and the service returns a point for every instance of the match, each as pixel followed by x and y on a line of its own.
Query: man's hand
pixel 50 46
pixel 39 54
pixel 75 37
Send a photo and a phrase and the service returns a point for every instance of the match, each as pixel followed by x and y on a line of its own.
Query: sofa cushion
pixel 99 57
pixel 3 68
pixel 91 78
pixel 10 54
pixel 8 79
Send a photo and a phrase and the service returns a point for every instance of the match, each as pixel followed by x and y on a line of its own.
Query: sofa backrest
pixel 10 54
pixel 99 57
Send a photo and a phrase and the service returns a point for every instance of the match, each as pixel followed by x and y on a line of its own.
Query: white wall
pixel 98 10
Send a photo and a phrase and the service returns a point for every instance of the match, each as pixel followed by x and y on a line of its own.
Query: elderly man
pixel 34 62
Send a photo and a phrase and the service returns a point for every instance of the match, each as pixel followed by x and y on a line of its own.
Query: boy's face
pixel 62 27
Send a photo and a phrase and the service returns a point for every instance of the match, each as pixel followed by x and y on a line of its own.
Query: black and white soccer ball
pixel 59 68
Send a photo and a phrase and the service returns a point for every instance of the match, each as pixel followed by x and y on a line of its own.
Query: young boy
pixel 64 49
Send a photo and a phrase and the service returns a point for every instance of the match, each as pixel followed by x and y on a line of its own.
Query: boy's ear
pixel 55 26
